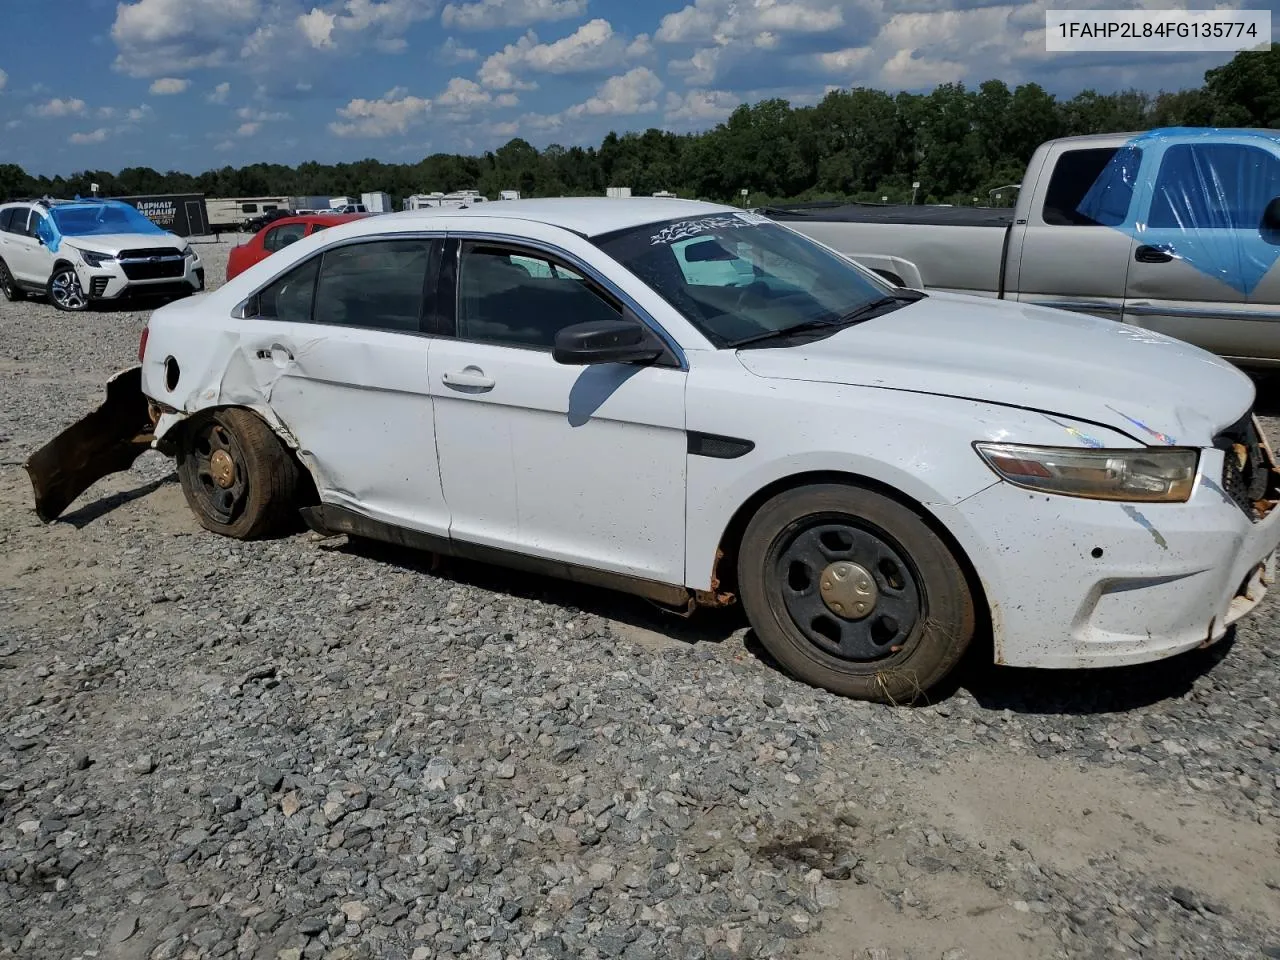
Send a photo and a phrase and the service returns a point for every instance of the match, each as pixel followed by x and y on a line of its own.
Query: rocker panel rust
pixel 106 441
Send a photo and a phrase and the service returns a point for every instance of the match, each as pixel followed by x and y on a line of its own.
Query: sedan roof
pixel 587 216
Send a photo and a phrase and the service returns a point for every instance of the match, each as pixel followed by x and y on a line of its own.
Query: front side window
pixel 736 276
pixel 281 237
pixel 522 298
pixel 376 285
pixel 1214 186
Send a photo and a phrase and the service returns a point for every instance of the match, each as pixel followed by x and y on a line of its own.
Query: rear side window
pixel 1074 176
pixel 290 298
pixel 1222 186
pixel 523 299
pixel 16 220
pixel 281 237
pixel 5 217
pixel 317 227
pixel 378 285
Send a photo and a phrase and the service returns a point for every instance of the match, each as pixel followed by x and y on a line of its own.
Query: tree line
pixel 960 144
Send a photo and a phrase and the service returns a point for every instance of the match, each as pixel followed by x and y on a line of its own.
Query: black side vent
pixel 721 448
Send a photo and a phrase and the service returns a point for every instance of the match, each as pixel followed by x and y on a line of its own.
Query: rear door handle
pixel 1149 254
pixel 468 378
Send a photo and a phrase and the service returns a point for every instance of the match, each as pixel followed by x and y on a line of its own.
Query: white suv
pixel 76 252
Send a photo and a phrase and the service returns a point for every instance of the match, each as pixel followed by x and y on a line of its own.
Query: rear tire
pixel 9 288
pixel 237 477
pixel 905 613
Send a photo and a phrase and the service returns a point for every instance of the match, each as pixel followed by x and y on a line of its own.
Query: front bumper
pixel 1087 583
pixel 111 280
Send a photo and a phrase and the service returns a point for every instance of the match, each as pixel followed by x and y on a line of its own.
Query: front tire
pixel 853 592
pixel 9 288
pixel 237 477
pixel 64 290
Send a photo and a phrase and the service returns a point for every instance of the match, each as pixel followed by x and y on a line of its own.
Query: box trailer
pixel 185 214
pixel 376 202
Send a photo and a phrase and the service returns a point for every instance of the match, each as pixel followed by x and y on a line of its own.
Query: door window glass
pixel 1074 176
pixel 1223 186
pixel 522 298
pixel 376 285
pixel 281 237
pixel 18 220
pixel 290 298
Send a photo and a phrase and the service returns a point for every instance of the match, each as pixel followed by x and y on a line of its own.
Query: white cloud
pixel 463 93
pixel 95 136
pixel 248 129
pixel 700 106
pixel 160 37
pixel 4 79
pixel 224 145
pixel 593 47
pixel 260 116
pixel 168 86
pixel 844 61
pixel 392 114
pixel 220 93
pixel 57 107
pixel 451 51
pixel 106 113
pixel 488 14
pixel 384 20
pixel 723 21
pixel 139 113
pixel 506 100
pixel 317 26
pixel 13 125
pixel 629 93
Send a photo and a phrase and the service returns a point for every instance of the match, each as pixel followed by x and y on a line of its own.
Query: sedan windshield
pixel 739 277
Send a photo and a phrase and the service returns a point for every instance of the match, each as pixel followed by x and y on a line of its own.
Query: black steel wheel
pixel 64 290
pixel 237 476
pixel 848 587
pixel 853 591
pixel 9 288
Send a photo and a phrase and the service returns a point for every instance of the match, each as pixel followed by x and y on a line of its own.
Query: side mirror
pixel 607 341
pixel 1271 220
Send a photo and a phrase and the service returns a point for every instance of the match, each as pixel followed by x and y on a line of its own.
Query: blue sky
pixel 196 84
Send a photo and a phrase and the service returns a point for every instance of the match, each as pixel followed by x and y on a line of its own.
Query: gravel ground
pixel 321 749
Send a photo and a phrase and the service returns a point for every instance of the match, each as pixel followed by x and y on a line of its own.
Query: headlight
pixel 94 259
pixel 1142 474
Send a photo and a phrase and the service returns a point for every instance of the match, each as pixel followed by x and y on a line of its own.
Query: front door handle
pixel 1149 254
pixel 468 378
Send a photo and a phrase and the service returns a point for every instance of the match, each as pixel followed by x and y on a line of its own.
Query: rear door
pixel 339 350
pixel 26 256
pixel 1201 267
pixel 1068 259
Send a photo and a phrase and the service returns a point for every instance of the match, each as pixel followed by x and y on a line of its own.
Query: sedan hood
pixel 1149 386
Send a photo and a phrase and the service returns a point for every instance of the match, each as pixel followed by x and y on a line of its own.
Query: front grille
pixel 162 270
pixel 1245 472
pixel 148 252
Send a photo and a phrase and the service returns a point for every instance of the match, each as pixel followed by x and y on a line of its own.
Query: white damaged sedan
pixel 698 405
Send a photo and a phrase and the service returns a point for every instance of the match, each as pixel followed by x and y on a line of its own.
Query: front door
pixel 1202 269
pixel 583 464
pixel 337 350
pixel 1066 257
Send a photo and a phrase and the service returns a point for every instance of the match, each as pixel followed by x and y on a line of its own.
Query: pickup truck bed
pixel 893 213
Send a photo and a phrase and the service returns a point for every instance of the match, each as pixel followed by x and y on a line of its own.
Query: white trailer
pixel 618 192
pixel 376 202
pixel 235 212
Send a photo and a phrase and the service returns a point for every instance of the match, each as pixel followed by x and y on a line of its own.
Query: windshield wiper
pixel 865 312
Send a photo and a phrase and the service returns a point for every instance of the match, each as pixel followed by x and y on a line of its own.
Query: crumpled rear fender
pixel 106 441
